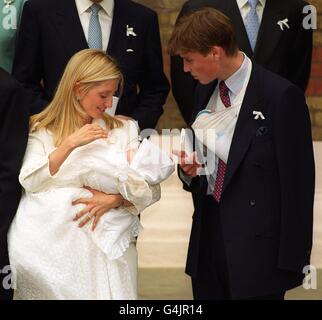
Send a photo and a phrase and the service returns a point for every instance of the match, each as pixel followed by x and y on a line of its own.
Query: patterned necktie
pixel 252 23
pixel 94 29
pixel 223 92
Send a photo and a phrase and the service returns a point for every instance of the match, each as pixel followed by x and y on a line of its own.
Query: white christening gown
pixel 50 256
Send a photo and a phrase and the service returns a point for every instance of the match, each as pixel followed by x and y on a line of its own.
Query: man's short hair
pixel 200 30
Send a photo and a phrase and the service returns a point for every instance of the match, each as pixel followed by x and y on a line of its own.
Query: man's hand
pixel 188 163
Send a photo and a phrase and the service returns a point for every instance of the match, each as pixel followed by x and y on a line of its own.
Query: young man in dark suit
pixel 14 116
pixel 52 31
pixel 252 226
pixel 281 44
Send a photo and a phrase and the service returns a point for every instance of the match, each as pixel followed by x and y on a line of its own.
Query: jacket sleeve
pixel 295 159
pixel 14 112
pixel 27 67
pixel 136 190
pixel 35 175
pixel 154 86
pixel 14 115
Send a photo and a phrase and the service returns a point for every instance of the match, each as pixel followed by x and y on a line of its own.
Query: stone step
pixel 165 254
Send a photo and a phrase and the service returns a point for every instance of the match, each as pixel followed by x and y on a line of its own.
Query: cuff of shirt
pixel 186 179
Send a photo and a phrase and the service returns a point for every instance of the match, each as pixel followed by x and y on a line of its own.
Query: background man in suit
pixel 252 227
pixel 53 30
pixel 14 116
pixel 270 32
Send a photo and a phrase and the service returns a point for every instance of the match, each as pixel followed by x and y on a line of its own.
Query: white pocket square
pixel 283 23
pixel 129 50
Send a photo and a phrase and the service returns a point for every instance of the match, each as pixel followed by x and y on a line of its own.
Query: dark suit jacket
pixel 266 209
pixel 14 115
pixel 51 33
pixel 287 53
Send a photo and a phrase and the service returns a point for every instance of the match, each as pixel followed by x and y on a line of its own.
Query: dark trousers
pixel 212 282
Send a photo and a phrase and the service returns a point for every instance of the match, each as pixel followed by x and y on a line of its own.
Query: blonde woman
pixel 73 236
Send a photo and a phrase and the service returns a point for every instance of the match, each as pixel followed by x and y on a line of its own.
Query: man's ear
pixel 216 52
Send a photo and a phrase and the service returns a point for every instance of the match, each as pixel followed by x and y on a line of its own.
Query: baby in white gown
pixel 107 168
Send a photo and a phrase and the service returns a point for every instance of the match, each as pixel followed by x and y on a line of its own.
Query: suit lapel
pixel 245 128
pixel 66 20
pixel 231 9
pixel 273 12
pixel 118 30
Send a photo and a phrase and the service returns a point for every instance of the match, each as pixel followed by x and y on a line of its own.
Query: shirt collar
pixel 235 81
pixel 107 5
pixel 242 3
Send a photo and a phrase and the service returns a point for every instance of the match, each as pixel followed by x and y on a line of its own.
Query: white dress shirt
pixel 237 84
pixel 105 17
pixel 244 8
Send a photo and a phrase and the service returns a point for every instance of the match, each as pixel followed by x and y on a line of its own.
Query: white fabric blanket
pixel 215 130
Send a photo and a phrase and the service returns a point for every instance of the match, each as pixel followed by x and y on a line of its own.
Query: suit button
pixel 252 203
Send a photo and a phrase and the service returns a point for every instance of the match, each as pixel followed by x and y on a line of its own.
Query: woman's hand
pixel 85 135
pixel 96 206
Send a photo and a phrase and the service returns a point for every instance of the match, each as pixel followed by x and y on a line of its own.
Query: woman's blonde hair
pixel 87 68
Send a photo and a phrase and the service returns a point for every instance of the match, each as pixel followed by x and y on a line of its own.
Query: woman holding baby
pixel 74 233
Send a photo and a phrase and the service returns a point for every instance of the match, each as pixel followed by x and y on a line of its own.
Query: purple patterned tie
pixel 223 91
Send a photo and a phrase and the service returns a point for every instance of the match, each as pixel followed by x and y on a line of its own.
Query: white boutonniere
pixel 130 31
pixel 258 115
pixel 283 23
pixel 8 3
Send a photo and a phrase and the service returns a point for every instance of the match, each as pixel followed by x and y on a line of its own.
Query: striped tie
pixel 94 29
pixel 223 92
